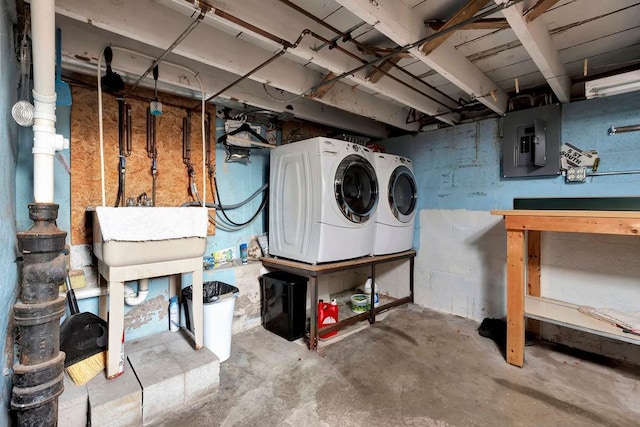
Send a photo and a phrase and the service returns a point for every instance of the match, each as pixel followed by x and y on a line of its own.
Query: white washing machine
pixel 323 195
pixel 396 211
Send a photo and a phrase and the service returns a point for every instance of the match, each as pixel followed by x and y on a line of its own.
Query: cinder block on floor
pixel 115 402
pixel 73 405
pixel 171 373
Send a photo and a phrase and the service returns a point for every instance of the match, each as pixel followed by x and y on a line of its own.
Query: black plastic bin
pixel 284 304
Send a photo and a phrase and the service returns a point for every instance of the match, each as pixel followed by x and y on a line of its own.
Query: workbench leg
pixel 411 265
pixel 198 307
pixel 116 327
pixel 533 274
pixel 372 296
pixel 313 322
pixel 515 297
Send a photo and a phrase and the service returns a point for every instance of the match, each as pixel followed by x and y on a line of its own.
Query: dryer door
pixel 356 188
pixel 403 194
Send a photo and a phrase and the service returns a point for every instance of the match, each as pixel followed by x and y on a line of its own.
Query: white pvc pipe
pixel 44 95
pixel 101 131
pixel 130 296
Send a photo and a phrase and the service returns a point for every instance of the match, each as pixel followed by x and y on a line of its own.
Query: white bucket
pixel 217 320
pixel 218 317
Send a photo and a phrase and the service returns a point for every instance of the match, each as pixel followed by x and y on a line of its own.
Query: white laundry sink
pixel 143 235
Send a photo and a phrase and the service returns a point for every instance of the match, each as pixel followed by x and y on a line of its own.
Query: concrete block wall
pixel 461 263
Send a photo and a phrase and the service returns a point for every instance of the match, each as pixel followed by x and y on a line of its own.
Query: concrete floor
pixel 415 367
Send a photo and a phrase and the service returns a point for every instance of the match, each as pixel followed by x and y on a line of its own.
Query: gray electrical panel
pixel 531 142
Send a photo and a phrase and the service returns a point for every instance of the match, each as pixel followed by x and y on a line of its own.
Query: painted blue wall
pixel 459 167
pixel 8 154
pixel 236 182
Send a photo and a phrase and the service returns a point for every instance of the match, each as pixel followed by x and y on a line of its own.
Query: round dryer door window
pixel 402 194
pixel 356 188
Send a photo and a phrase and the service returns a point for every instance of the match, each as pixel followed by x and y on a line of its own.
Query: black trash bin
pixel 219 302
pixel 284 304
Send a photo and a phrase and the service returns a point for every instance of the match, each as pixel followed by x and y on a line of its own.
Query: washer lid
pixel 356 188
pixel 403 194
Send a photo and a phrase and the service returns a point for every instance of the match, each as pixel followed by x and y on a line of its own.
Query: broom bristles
pixel 84 371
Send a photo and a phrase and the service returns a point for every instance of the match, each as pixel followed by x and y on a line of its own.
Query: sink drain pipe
pixel 133 298
pixel 38 374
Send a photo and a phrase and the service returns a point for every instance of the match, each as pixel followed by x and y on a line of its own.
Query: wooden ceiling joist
pixel 480 24
pixel 538 9
pixel 536 40
pixel 384 67
pixel 322 90
pixel 466 12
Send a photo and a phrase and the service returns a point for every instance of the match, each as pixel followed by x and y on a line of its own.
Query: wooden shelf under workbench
pixel 523 267
pixel 313 271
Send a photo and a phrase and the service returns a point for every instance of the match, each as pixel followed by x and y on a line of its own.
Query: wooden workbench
pixel 523 264
pixel 313 271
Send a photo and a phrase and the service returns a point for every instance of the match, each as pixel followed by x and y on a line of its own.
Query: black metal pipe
pixel 38 376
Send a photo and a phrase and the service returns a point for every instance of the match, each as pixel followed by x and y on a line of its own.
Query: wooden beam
pixel 84 42
pixel 384 67
pixel 398 22
pixel 481 24
pixel 275 18
pixel 139 21
pixel 322 90
pixel 538 9
pixel 466 12
pixel 535 38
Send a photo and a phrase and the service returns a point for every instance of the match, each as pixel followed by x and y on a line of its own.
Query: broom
pixel 83 339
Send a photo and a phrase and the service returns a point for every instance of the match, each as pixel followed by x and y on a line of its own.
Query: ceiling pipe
pixel 406 48
pixel 389 75
pixel 346 37
pixel 173 45
pixel 45 140
pixel 286 45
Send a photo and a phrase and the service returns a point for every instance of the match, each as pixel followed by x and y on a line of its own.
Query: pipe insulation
pixel 45 140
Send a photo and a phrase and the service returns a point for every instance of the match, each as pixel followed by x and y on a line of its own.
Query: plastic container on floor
pixel 284 304
pixel 219 302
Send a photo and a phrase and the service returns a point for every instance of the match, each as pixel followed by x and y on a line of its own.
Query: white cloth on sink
pixel 141 224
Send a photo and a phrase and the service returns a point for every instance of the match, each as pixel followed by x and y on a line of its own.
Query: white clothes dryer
pixel 323 195
pixel 396 211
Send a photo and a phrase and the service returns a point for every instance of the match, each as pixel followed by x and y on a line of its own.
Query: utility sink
pixel 143 235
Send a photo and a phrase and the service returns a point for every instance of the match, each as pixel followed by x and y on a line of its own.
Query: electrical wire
pixel 293 98
pixel 240 226
pixel 224 214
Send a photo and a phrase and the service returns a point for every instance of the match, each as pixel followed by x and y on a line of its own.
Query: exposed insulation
pixel 172 178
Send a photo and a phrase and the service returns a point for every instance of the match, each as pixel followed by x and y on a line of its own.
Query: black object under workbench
pixel 313 271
